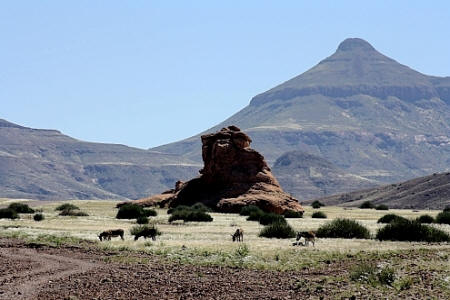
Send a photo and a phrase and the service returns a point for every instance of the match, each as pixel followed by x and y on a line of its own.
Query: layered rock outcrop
pixel 233 176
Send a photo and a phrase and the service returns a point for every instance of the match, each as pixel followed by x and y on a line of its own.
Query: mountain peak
pixel 351 44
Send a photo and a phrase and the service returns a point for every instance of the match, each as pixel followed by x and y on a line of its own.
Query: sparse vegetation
pixel 425 219
pixel 278 230
pixel 386 219
pixel 443 217
pixel 382 207
pixel 293 214
pixel 343 228
pixel 319 215
pixel 317 204
pixel 38 217
pixel 369 273
pixel 21 208
pixel 8 213
pixel 411 231
pixel 130 211
pixel 67 206
pixel 367 205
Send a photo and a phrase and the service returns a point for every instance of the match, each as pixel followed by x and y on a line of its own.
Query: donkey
pixel 309 236
pixel 147 232
pixel 108 234
pixel 238 235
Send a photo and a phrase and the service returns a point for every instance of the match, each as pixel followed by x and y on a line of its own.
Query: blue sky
pixel 146 73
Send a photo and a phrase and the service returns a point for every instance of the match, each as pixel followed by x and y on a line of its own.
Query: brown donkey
pixel 238 235
pixel 108 234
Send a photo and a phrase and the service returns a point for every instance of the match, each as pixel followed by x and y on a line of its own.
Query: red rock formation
pixel 234 176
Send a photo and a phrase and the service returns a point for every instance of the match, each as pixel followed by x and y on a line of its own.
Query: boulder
pixel 233 176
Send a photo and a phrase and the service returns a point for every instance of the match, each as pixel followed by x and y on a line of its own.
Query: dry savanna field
pixel 417 269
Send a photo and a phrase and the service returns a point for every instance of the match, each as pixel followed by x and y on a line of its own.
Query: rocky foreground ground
pixel 38 271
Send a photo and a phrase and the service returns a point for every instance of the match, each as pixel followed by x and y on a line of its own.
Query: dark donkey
pixel 147 232
pixel 238 235
pixel 108 234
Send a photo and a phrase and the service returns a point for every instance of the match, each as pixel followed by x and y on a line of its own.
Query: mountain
pixel 45 164
pixel 428 192
pixel 308 176
pixel 359 109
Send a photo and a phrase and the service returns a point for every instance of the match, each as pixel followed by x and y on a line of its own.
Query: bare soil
pixel 37 271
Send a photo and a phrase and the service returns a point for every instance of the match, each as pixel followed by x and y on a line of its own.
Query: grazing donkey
pixel 108 234
pixel 238 235
pixel 147 232
pixel 309 236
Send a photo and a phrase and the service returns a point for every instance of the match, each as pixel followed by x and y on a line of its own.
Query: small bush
pixel 8 213
pixel 150 212
pixel 367 205
pixel 386 276
pixel 246 210
pixel 130 211
pixel 190 216
pixel 21 208
pixel 38 217
pixel 317 204
pixel 201 206
pixel 293 214
pixel 73 213
pixel 382 207
pixel 411 231
pixel 319 215
pixel 446 209
pixel 255 215
pixel 269 218
pixel 391 218
pixel 179 207
pixel 67 206
pixel 278 230
pixel 142 220
pixel 443 217
pixel 368 273
pixel 425 219
pixel 343 228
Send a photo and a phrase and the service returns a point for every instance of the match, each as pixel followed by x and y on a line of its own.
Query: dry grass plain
pixel 209 244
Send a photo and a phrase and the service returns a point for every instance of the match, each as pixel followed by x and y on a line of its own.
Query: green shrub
pixel 142 220
pixel 255 215
pixel 425 219
pixel 343 228
pixel 446 209
pixel 73 213
pixel 201 206
pixel 382 207
pixel 317 204
pixel 319 215
pixel 130 211
pixel 190 215
pixel 269 218
pixel 278 230
pixel 21 208
pixel 8 213
pixel 293 214
pixel 38 217
pixel 246 210
pixel 368 273
pixel 443 217
pixel 67 206
pixel 411 231
pixel 391 218
pixel 366 205
pixel 179 207
pixel 150 212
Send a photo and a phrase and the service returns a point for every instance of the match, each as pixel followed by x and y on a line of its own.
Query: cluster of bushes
pixel 292 214
pixel 386 219
pixel 317 204
pixel 443 217
pixel 14 209
pixel 195 213
pixel 134 211
pixel 343 228
pixel 278 230
pixel 68 209
pixel 370 205
pixel 319 215
pixel 411 230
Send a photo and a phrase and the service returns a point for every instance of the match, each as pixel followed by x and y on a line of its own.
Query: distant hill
pixel 359 109
pixel 308 176
pixel 45 164
pixel 431 192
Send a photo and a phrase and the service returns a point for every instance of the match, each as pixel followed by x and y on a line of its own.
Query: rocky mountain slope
pixel 308 176
pixel 431 192
pixel 45 164
pixel 362 111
